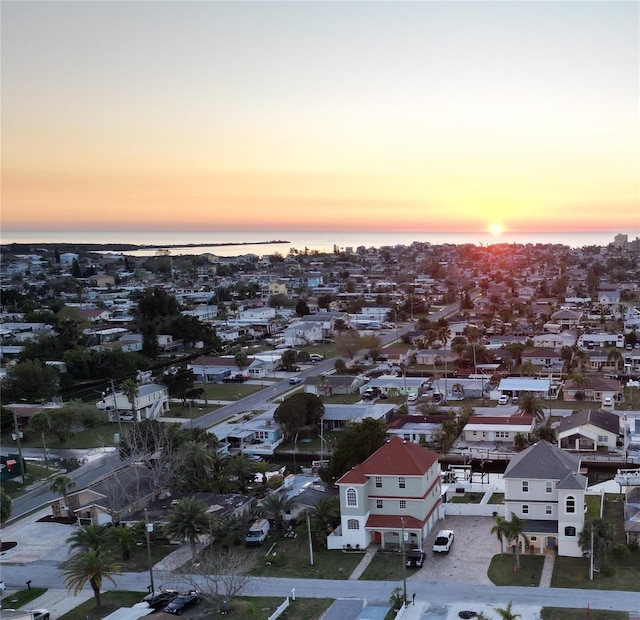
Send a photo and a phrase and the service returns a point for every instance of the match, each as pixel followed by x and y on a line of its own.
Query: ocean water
pixel 321 241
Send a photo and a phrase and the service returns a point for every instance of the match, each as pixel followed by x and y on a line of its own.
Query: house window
pixel 548 510
pixel 353 524
pixel 403 504
pixel 525 486
pixel 525 509
pixel 352 497
pixel 549 487
pixel 379 503
pixel 603 439
pixel 570 504
pixel 402 483
pixel 378 481
pixel 569 530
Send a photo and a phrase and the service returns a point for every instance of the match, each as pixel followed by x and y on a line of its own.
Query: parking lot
pixel 469 557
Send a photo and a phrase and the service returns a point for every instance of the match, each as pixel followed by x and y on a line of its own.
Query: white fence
pixel 278 612
pixel 473 510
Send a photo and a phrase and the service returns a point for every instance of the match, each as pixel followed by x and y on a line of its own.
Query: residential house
pixel 604 341
pixel 419 429
pixel 337 417
pixel 395 492
pixel 632 513
pixel 544 360
pixel 497 429
pixel 515 386
pixel 593 388
pixel 554 341
pixel 303 333
pixel 151 401
pixel 391 385
pixel 208 369
pixel 588 430
pixel 567 319
pixel 256 435
pixel 328 385
pixel 544 486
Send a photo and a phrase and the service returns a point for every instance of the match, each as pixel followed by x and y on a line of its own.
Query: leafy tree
pixel 500 530
pixel 180 383
pixel 154 304
pixel 348 343
pixel 279 301
pixel 188 520
pixel 44 348
pixel 340 366
pixel 75 269
pixel 322 518
pixel 93 567
pixel 288 360
pixel 373 343
pixel 604 534
pixel 62 484
pixel 530 404
pixel 63 421
pixel 302 309
pixel 5 505
pixel 240 359
pixel 300 411
pixel 30 381
pixel 358 442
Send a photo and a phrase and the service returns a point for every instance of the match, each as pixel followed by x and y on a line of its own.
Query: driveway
pixel 470 555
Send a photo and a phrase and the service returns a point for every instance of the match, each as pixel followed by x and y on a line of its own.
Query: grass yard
pixel 502 573
pixel 244 607
pixel 386 566
pixel 35 475
pixel 230 391
pixel 21 598
pixel 111 601
pixel 341 399
pixel 290 558
pixel 196 410
pixel 467 498
pixel 97 436
pixel 497 498
pixel 565 613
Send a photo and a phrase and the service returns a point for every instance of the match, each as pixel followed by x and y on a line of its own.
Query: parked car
pixel 503 400
pixel 316 357
pixel 295 380
pixel 415 557
pixel 160 598
pixel 443 541
pixel 412 397
pixel 182 602
pixel 257 533
pixel 40 614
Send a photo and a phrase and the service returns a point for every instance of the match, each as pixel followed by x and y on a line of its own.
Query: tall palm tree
pixel 62 484
pixel 444 333
pixel 472 334
pixel 515 531
pixel 91 566
pixel 197 465
pixel 613 355
pixel 274 507
pixel 131 390
pixel 321 517
pixel 500 530
pixel 188 521
pixel 41 423
pixel 241 467
pixel 530 404
pixel 506 613
pixel 89 537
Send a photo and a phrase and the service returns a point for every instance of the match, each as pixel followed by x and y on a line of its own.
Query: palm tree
pixel 506 613
pixel 61 484
pixel 275 506
pixel 131 390
pixel 472 334
pixel 443 335
pixel 41 423
pixel 89 537
pixel 603 537
pixel 321 517
pixel 241 467
pixel 188 521
pixel 125 537
pixel 91 566
pixel 580 358
pixel 530 404
pixel 231 530
pixel 197 465
pixel 515 531
pixel 613 355
pixel 500 530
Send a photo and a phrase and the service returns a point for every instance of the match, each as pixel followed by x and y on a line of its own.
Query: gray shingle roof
pixel 546 462
pixel 600 419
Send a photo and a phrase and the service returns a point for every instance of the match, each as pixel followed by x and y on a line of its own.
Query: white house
pixel 152 401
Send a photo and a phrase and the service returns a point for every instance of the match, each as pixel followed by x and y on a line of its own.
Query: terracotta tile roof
pixel 393 522
pixel 395 458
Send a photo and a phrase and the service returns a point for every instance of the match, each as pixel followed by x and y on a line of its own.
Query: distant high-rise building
pixel 621 242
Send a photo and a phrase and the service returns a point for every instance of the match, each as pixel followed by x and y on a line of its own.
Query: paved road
pixel 372 591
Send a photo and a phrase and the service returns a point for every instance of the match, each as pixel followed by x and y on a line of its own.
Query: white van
pixel 257 533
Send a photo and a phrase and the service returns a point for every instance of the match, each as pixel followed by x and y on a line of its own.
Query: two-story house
pixel 544 486
pixel 395 491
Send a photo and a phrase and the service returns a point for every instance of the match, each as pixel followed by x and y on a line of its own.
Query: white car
pixel 412 398
pixel 443 541
pixel 503 400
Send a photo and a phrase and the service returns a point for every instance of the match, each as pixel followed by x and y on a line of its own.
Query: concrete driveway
pixel 469 557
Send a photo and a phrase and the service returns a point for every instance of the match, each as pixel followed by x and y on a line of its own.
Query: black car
pixel 415 557
pixel 182 602
pixel 159 599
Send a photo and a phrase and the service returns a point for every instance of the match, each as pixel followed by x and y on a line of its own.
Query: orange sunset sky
pixel 425 116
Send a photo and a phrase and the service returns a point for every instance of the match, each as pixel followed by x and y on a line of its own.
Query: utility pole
pixel 115 406
pixel 310 541
pixel 148 528
pixel 404 565
pixel 17 435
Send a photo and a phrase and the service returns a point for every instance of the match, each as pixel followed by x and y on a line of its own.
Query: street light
pixel 148 528
pixel 404 565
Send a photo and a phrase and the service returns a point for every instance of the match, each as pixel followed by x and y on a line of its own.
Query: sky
pixel 384 116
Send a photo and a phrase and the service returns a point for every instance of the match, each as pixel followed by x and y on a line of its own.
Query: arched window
pixel 569 530
pixel 352 497
pixel 570 504
pixel 353 524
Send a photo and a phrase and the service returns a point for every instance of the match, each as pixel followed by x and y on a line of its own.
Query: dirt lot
pixel 469 557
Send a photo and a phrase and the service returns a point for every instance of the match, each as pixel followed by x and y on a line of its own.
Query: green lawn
pixel 593 507
pixel 196 410
pixel 292 559
pixel 565 613
pixel 35 473
pixel 467 498
pixel 22 597
pixel 244 607
pixel 230 391
pixel 502 570
pixel 111 601
pixel 97 436
pixel 497 498
pixel 386 566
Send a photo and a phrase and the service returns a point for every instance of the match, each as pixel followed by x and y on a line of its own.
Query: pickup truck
pixel 415 557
